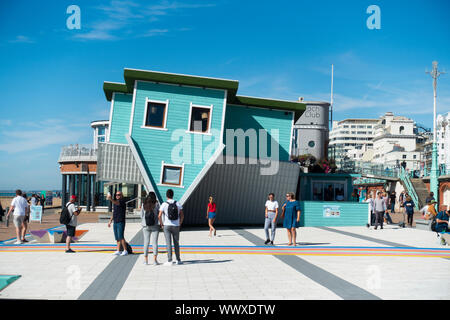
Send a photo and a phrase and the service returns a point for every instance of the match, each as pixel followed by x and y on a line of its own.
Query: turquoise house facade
pixel 178 126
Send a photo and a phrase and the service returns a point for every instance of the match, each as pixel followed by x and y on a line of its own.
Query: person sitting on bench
pixel 442 221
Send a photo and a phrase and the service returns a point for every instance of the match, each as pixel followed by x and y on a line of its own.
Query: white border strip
pixel 132 108
pixel 202 173
pixel 148 183
pixel 111 111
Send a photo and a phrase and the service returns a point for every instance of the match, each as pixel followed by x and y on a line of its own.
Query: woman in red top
pixel 211 215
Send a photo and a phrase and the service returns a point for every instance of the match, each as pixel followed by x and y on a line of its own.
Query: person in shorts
pixel 72 225
pixel 19 206
pixel 211 215
pixel 119 218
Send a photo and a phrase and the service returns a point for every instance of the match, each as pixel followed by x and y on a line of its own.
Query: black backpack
pixel 172 211
pixel 433 225
pixel 150 218
pixel 65 216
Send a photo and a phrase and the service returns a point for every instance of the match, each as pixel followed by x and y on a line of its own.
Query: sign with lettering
pixel 331 211
pixel 36 213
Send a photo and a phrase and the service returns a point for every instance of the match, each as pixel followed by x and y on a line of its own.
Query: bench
pixel 423 224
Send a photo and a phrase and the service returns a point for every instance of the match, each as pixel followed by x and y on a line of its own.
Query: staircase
pixel 421 191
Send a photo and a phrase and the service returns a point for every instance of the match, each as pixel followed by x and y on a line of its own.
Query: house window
pixel 402 129
pixel 171 174
pixel 200 119
pixel 311 144
pixel 404 156
pixel 155 114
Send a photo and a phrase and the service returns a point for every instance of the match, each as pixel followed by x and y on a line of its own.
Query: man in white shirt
pixel 74 211
pixel 19 205
pixel 170 218
pixel 271 218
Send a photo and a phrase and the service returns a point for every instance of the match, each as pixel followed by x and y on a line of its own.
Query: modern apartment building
pixel 443 139
pixel 351 139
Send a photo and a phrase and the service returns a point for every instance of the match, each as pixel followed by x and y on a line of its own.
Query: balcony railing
pixel 78 152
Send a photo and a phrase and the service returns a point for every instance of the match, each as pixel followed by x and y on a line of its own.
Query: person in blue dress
pixel 291 217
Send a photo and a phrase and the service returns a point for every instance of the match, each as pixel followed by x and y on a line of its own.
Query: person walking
pixel 26 219
pixel 74 212
pixel 392 201
pixel 171 218
pixel 380 208
pixel 271 215
pixel 370 197
pixel 150 226
pixel 387 217
pixel 211 215
pixel 291 218
pixel 19 206
pixel 409 208
pixel 42 203
pixel 119 218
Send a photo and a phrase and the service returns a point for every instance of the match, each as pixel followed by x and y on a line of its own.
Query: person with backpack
pixel 171 218
pixel 119 218
pixel 150 226
pixel 409 207
pixel 69 218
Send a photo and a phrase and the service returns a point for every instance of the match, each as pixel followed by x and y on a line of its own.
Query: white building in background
pixel 351 139
pixel 395 142
pixel 101 129
pixel 443 139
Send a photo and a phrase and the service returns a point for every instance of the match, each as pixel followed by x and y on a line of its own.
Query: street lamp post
pixel 434 174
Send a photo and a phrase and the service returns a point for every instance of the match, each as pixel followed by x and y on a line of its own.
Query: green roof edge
pixel 130 75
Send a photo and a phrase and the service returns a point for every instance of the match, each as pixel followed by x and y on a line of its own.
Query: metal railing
pixel 78 152
pixel 404 177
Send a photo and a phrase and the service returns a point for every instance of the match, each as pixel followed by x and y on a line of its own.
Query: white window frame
pixel 164 164
pixel 210 107
pixel 166 102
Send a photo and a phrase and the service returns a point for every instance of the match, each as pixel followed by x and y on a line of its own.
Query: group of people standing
pixel 169 217
pixel 382 204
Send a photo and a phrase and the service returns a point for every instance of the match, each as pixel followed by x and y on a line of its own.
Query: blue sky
pixel 51 77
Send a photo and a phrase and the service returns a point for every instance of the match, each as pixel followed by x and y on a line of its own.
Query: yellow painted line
pixel 272 253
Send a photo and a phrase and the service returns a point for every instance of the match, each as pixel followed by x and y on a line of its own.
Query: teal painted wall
pixel 155 146
pixel 120 122
pixel 351 214
pixel 238 117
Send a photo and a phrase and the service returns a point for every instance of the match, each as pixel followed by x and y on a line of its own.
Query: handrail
pixel 132 200
pixel 409 186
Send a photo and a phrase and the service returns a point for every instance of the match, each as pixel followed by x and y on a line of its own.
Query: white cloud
pixel 22 39
pixel 121 18
pixel 32 136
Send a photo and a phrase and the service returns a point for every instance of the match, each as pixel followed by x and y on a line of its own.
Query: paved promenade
pixel 328 263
